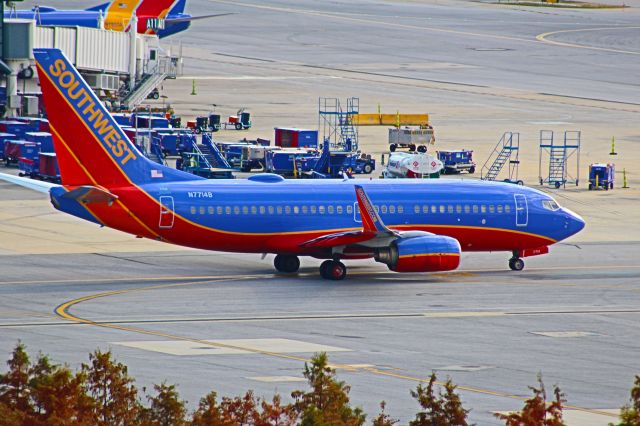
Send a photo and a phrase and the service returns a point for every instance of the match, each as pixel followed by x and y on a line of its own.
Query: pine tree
pixel 630 413
pixel 439 409
pixel 208 412
pixel 114 395
pixel 328 401
pixel 167 409
pixel 275 414
pixel 536 410
pixel 14 385
pixel 383 418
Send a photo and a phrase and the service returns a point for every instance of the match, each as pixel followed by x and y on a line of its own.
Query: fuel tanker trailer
pixel 412 165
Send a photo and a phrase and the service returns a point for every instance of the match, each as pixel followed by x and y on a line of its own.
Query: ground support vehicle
pixel 412 165
pixel 240 121
pixel 456 161
pixel 413 138
pixel 602 176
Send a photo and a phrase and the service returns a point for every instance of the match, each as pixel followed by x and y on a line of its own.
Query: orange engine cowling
pixel 430 253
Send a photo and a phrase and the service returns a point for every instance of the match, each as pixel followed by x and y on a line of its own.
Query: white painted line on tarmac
pixel 276 379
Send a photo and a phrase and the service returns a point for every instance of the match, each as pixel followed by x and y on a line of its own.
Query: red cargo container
pixel 49 167
pixel 296 138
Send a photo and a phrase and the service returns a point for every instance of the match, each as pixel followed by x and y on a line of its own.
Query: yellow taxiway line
pixel 63 311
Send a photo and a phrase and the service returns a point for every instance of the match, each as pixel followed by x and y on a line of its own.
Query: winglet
pixel 371 221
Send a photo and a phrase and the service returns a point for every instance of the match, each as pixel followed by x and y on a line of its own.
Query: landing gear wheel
pixel 333 270
pixel 286 263
pixel 516 264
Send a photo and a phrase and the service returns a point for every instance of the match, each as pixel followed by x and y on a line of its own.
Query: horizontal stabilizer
pixel 91 195
pixel 36 185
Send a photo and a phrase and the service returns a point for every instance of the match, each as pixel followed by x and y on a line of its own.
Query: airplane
pixel 409 225
pixel 161 17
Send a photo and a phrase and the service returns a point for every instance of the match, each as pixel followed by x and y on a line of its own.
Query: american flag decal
pixel 156 173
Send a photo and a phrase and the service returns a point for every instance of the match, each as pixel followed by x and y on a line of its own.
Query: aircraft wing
pixel 193 18
pixel 373 228
pixel 36 185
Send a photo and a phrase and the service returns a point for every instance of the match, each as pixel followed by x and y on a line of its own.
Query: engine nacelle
pixel 430 253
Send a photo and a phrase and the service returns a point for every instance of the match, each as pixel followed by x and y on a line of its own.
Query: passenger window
pixel 425 209
pixel 442 208
pixel 416 209
pixel 279 209
pixel 467 208
pixel 193 210
pixel 262 210
pixel 483 209
pixel 227 209
pixel 434 209
pixel 305 209
pixel 219 210
pixel 201 209
pixel 254 210
pixel 499 207
pixel 210 210
pixel 330 209
pixel 400 209
pixel 321 209
pixel 236 210
pixel 376 208
pixel 458 208
pixel 449 208
pixel 492 208
pixel 339 209
pixel 313 209
pixel 245 210
pixel 475 208
pixel 384 208
pixel 296 209
pixel 392 209
pixel 507 208
pixel 349 209
pixel 271 210
pixel 287 209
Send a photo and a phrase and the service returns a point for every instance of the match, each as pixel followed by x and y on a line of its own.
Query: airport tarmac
pixel 226 322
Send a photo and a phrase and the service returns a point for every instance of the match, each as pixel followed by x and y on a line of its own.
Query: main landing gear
pixel 333 270
pixel 515 263
pixel 286 263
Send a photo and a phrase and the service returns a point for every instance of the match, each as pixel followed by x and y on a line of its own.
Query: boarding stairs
pixel 164 68
pixel 506 151
pixel 559 155
pixel 211 153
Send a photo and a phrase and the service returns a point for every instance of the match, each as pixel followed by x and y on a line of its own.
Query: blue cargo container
pixel 16 127
pixel 169 143
pixel 43 138
pixel 156 122
pixel 122 119
pixel 296 138
pixel 28 162
pixel 4 137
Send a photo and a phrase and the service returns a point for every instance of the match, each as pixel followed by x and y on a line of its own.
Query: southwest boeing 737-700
pixel 409 225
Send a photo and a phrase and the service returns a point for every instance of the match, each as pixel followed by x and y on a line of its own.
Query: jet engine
pixel 429 253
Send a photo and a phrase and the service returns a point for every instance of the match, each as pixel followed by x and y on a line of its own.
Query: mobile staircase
pixel 337 123
pixel 506 151
pixel 559 156
pixel 151 80
pixel 212 153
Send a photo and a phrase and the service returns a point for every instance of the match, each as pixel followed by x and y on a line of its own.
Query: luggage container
pixel 48 167
pixel 4 137
pixel 410 137
pixel 43 138
pixel 284 162
pixel 169 143
pixel 15 127
pixel 146 122
pixel 295 138
pixel 28 161
pixel 12 151
pixel 214 122
pixel 456 161
pixel 602 176
pixel 122 119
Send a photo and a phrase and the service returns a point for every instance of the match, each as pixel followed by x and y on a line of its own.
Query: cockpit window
pixel 550 205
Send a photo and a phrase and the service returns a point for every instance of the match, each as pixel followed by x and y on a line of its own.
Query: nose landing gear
pixel 515 263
